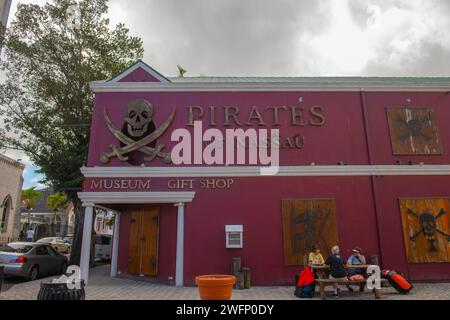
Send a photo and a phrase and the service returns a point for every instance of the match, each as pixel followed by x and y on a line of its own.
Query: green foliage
pixel 46 103
pixel 29 197
pixel 110 223
pixel 57 201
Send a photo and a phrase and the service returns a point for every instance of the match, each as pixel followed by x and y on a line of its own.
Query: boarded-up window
pixel 306 223
pixel 414 131
pixel 426 229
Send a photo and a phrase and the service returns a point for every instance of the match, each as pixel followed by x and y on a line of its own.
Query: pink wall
pixel 256 202
pixel 344 128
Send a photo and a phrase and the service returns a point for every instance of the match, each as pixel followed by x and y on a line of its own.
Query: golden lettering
pixel 216 183
pixel 212 116
pixel 192 114
pixel 276 114
pixel 317 112
pixel 144 184
pixel 97 184
pixel 255 115
pixel 232 113
pixel 297 114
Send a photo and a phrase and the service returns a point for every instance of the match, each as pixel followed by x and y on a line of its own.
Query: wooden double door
pixel 144 236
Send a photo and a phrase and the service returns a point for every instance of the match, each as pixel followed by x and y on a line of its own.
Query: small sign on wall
pixel 234 236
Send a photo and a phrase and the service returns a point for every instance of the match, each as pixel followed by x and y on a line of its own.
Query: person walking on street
pixel 30 235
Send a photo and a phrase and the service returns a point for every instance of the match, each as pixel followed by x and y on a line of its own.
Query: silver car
pixel 31 260
pixel 56 243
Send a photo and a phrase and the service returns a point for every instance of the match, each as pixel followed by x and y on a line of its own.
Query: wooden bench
pixel 362 284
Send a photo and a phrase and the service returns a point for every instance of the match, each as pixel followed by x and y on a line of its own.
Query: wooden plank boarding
pixel 305 223
pixel 426 229
pixel 414 131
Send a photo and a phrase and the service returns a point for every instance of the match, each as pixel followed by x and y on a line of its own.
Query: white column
pixel 86 244
pixel 180 246
pixel 115 248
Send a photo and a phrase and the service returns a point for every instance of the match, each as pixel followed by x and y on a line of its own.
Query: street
pixel 103 287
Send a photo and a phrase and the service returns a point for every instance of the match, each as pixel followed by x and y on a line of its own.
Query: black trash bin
pixel 60 292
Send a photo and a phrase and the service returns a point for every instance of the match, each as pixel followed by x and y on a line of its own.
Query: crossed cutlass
pixel 140 145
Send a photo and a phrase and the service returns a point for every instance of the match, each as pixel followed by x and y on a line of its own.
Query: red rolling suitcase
pixel 398 281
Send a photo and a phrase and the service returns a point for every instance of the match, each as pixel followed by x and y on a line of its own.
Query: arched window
pixel 5 210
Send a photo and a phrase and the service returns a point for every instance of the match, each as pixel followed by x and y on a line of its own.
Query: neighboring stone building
pixel 11 182
pixel 5 7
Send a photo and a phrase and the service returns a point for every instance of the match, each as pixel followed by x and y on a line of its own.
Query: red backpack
pixel 306 278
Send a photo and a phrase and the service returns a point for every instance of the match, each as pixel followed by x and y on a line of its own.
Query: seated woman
pixel 315 257
pixel 337 268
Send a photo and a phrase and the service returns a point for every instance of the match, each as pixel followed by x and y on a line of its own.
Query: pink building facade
pixel 363 162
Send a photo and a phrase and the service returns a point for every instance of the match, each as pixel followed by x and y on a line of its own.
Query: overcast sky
pixel 290 37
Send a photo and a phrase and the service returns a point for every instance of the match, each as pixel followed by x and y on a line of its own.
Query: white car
pixel 103 247
pixel 56 243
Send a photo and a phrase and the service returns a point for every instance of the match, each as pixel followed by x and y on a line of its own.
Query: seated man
pixel 337 268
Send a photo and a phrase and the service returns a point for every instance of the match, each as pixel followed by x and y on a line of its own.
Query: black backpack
pixel 304 292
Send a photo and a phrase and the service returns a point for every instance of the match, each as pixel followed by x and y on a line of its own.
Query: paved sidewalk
pixel 102 287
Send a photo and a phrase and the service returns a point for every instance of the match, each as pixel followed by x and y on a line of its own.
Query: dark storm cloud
pixel 225 37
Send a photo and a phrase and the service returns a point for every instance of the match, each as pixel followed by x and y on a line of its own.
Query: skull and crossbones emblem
pixel 138 123
pixel 414 128
pixel 429 228
pixel 139 115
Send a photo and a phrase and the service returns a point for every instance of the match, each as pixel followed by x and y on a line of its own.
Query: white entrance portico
pixel 102 199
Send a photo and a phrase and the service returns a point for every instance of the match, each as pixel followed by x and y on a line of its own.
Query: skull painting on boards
pixel 414 131
pixel 307 223
pixel 426 229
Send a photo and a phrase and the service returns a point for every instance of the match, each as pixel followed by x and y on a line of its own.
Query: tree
pixel 28 199
pixel 56 202
pixel 46 104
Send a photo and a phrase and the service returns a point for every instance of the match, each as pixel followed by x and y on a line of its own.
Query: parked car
pixel 103 247
pixel 57 243
pixel 69 239
pixel 31 260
